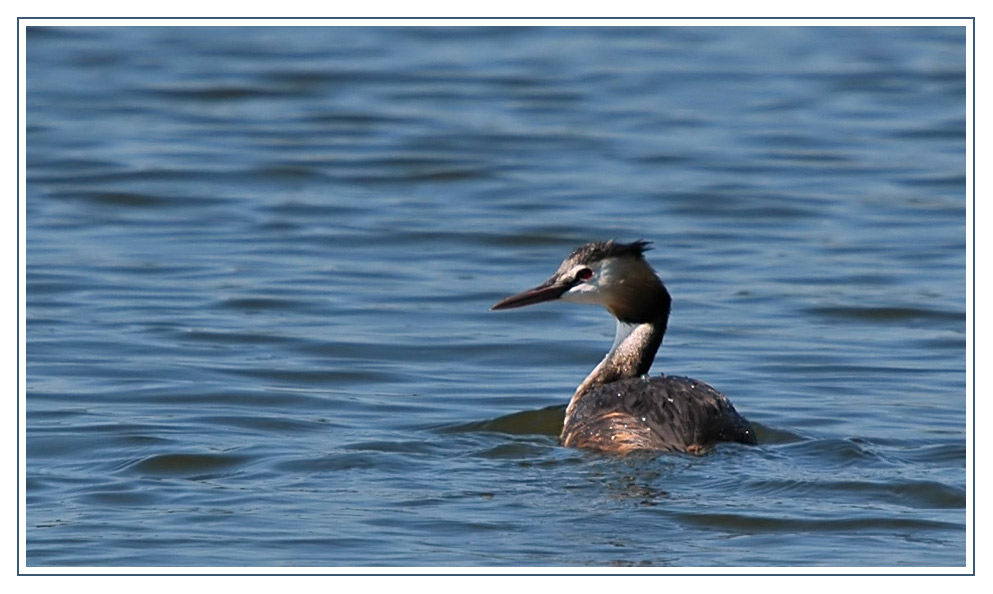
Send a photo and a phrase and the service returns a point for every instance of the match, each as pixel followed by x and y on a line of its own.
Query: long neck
pixel 638 338
pixel 634 350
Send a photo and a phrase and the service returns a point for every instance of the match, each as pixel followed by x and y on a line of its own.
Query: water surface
pixel 260 262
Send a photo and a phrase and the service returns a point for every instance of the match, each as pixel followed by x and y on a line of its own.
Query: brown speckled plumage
pixel 654 413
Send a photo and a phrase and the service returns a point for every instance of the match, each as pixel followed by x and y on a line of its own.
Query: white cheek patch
pixel 583 293
pixel 596 290
pixel 611 272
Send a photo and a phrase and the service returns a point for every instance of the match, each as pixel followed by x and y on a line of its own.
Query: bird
pixel 618 408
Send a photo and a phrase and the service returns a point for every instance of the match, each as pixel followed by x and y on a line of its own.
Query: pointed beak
pixel 552 289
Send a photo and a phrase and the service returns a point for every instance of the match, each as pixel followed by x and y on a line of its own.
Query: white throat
pixel 623 331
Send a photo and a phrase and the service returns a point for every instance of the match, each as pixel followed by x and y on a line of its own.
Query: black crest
pixel 594 252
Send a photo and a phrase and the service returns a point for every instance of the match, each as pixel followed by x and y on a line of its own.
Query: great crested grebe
pixel 618 408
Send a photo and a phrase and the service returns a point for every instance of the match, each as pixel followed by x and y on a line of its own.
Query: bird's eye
pixel 584 274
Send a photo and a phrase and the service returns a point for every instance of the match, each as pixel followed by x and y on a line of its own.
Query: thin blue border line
pixel 17 178
pixel 973 295
pixel 619 575
pixel 505 18
pixel 18 331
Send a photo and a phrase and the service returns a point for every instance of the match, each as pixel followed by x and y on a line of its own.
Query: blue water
pixel 260 263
